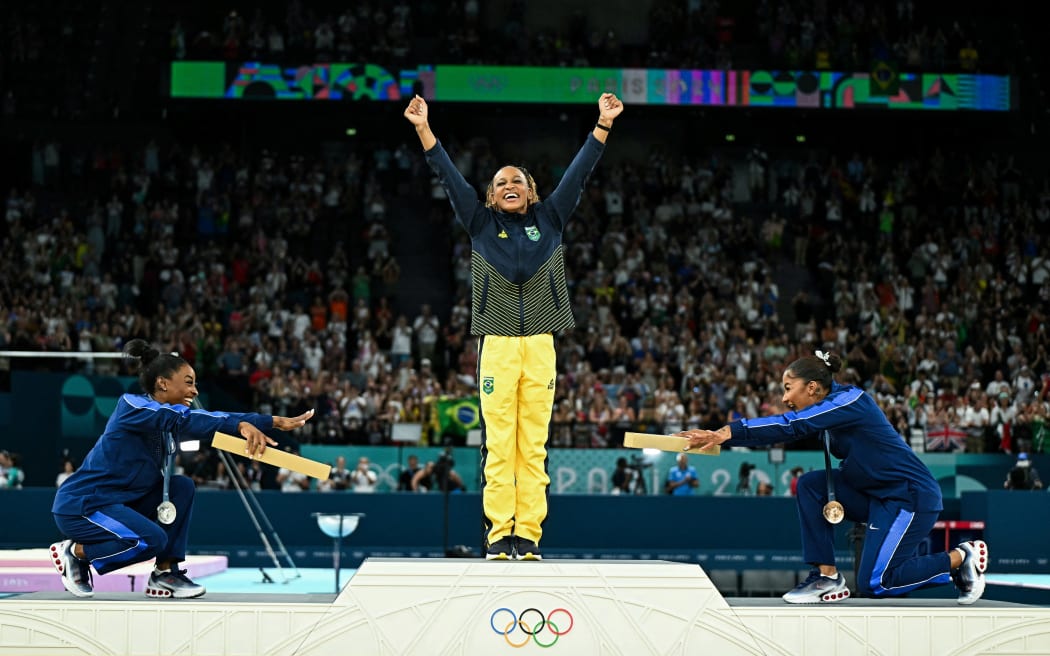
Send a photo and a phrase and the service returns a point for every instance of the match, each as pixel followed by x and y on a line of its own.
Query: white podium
pixel 454 606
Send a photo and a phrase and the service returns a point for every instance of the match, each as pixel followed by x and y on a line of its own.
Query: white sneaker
pixel 817 589
pixel 76 574
pixel 969 578
pixel 173 583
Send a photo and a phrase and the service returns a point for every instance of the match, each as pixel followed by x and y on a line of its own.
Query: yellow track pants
pixel 516 377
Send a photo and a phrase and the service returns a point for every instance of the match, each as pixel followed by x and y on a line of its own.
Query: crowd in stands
pixel 904 36
pixel 11 473
pixel 798 36
pixel 935 290
pixel 273 272
pixel 805 35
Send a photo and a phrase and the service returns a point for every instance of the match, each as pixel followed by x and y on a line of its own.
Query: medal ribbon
pixel 169 463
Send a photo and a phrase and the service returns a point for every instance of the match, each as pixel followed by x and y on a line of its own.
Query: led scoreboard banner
pixel 637 86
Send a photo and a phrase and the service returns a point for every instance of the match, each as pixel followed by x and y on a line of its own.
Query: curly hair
pixel 490 200
pixel 152 363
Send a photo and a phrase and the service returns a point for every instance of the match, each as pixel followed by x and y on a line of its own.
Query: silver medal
pixel 166 512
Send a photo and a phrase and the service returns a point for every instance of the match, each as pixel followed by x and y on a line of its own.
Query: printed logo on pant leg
pixel 488 384
pixel 550 385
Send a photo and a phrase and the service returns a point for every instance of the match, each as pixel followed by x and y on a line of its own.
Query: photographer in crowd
pixel 627 477
pixel 622 477
pixel 439 475
pixel 1023 476
pixel 743 484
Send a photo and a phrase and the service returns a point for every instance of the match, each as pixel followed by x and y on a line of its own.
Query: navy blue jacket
pixel 875 459
pixel 517 260
pixel 123 466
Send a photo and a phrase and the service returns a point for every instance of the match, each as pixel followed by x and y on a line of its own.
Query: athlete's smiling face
pixel 510 190
pixel 180 388
pixel 799 393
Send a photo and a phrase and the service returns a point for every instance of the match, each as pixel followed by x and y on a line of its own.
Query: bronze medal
pixel 834 512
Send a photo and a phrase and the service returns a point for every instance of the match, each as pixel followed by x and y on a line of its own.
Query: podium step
pixel 30 570
pixel 450 607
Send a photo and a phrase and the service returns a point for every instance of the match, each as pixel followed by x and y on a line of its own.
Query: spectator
pixel 682 479
pixel 67 470
pixel 796 472
pixel 426 329
pixel 429 478
pixel 622 477
pixel 338 479
pixel 363 479
pixel 404 480
pixel 11 474
pixel 1023 475
pixel 743 482
pixel 292 481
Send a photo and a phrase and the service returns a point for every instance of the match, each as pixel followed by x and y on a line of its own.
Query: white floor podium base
pixel 465 606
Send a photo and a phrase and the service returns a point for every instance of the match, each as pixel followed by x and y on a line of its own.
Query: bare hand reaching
pixel 702 440
pixel 258 440
pixel 291 423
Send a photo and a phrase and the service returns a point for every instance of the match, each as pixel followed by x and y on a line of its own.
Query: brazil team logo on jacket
pixel 488 383
pixel 532 232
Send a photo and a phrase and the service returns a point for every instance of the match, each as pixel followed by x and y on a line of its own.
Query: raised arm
pixel 566 196
pixel 461 194
pixel 417 114
pixel 609 107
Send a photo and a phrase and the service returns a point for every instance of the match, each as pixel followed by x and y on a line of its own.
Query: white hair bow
pixel 826 357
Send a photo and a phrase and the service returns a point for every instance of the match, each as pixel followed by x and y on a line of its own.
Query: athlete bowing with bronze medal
pixel 880 482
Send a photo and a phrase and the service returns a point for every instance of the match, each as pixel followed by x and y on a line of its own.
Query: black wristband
pixel 601 127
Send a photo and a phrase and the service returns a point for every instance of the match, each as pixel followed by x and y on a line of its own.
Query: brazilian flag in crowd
pixel 885 78
pixel 455 416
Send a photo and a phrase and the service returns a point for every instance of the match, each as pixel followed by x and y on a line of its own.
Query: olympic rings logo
pixel 532 628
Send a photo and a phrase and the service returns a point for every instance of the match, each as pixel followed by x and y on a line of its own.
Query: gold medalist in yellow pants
pixel 516 379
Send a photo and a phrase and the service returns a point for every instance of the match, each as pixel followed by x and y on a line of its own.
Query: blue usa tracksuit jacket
pixel 109 504
pixel 880 482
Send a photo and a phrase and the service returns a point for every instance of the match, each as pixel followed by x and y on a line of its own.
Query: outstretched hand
pixel 701 440
pixel 609 107
pixel 258 440
pixel 291 423
pixel 417 111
